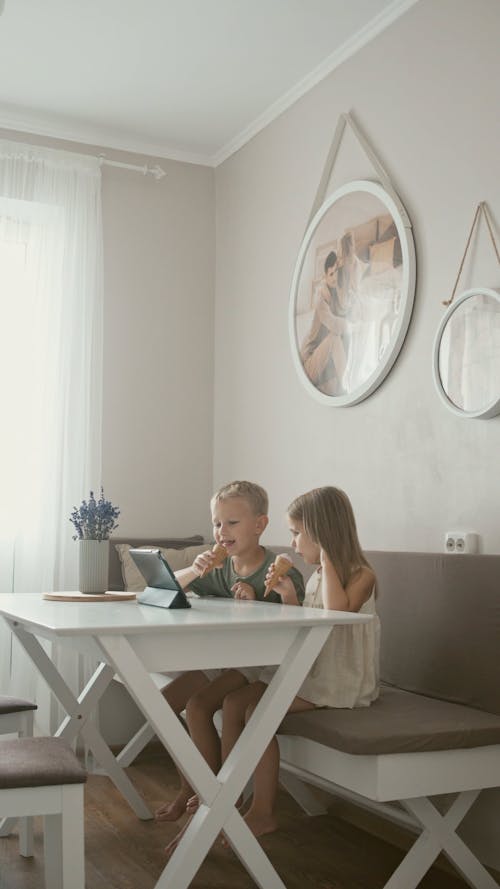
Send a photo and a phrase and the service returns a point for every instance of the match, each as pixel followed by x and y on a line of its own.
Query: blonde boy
pixel 239 517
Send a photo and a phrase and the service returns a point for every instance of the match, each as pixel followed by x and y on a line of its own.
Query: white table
pixel 132 640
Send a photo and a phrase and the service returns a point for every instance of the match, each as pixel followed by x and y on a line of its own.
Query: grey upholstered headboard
pixel 425 600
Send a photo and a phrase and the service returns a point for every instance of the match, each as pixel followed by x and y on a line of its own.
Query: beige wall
pixel 426 93
pixel 158 363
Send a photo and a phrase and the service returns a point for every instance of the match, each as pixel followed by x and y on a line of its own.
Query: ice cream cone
pixel 280 567
pixel 220 555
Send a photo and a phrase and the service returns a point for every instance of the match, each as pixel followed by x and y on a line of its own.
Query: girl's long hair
pixel 328 519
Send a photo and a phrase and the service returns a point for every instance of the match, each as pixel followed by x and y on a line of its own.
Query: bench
pixel 435 728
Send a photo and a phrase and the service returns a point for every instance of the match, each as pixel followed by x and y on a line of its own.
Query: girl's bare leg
pixel 177 693
pixel 260 817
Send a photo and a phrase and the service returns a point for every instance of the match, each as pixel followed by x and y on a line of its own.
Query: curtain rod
pixel 155 171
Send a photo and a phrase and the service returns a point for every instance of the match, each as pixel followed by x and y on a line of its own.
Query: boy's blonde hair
pixel 255 496
pixel 328 519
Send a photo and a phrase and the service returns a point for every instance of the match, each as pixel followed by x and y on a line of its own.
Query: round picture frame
pixel 465 377
pixel 347 325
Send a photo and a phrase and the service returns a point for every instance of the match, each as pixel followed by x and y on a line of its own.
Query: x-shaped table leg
pixel 217 794
pixel 79 710
pixel 439 834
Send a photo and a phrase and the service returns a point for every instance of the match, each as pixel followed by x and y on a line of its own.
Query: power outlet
pixel 461 542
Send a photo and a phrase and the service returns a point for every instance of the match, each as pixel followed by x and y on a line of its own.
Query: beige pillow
pixel 133 580
pixel 193 551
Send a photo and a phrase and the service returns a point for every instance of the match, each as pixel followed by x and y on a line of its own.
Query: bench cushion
pixel 398 722
pixel 37 762
pixel 14 705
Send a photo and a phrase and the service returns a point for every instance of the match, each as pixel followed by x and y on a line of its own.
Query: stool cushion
pixel 37 762
pixel 14 705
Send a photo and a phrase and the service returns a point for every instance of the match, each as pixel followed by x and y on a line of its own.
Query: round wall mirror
pixel 467 354
pixel 352 293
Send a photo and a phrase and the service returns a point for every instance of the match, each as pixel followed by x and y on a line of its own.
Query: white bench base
pixel 409 778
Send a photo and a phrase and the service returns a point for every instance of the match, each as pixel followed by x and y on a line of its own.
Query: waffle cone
pixel 281 566
pixel 220 555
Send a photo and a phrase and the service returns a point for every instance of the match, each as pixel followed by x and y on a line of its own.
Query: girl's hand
pixel 286 590
pixel 267 579
pixel 356 591
pixel 324 560
pixel 243 590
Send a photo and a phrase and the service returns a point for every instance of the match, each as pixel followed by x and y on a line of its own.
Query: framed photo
pixel 352 294
pixel 466 360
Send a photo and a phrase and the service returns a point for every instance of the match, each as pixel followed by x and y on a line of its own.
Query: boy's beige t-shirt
pixel 219 581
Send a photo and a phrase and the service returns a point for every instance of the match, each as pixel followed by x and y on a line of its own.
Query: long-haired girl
pixel 345 673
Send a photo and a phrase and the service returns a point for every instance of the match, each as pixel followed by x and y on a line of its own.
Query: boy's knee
pixel 198 706
pixel 231 706
pixel 194 706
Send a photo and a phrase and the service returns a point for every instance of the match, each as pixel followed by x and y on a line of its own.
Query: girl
pixel 345 673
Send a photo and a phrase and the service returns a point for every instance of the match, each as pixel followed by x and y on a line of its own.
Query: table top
pixel 126 618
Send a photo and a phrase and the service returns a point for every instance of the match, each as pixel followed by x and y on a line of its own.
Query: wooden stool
pixel 16 715
pixel 42 776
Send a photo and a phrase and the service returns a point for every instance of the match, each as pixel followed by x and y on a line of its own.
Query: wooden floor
pixel 324 852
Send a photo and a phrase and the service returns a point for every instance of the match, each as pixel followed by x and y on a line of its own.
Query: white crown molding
pixel 349 48
pixel 87 135
pixel 32 122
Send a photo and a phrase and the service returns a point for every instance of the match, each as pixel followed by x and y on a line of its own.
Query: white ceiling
pixel 186 79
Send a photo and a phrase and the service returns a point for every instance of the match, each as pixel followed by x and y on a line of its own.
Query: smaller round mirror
pixel 467 354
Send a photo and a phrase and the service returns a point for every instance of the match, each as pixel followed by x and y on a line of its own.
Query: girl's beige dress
pixel 346 671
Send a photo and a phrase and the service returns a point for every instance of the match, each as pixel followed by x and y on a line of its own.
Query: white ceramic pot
pixel 93 565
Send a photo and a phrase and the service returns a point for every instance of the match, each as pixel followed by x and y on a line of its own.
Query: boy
pixel 239 517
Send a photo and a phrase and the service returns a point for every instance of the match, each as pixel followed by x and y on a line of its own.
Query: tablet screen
pixel 162 588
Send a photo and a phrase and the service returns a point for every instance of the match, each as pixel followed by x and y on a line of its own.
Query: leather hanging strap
pixel 347 119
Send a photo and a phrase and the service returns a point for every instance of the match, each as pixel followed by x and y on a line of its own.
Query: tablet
pixel 163 589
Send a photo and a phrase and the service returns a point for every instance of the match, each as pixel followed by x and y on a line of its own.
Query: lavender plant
pixel 95 519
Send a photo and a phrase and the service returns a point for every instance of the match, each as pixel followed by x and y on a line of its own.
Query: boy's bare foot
pixel 192 804
pixel 172 811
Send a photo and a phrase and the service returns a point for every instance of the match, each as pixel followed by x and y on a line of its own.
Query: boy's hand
pixel 243 590
pixel 203 562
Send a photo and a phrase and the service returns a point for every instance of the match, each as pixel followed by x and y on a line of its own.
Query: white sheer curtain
pixel 50 377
